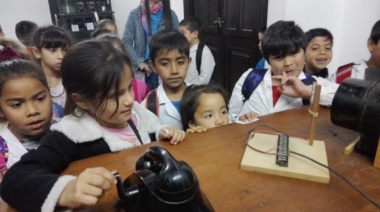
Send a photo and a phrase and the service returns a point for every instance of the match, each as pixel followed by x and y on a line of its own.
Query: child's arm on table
pixel 171 133
pixel 248 117
pixel 196 129
pixel 88 188
pixel 34 183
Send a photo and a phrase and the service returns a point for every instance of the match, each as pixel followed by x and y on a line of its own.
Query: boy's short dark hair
pixel 168 40
pixel 375 32
pixel 283 38
pixel 263 29
pixel 192 23
pixel 24 31
pixel 319 32
pixel 101 27
pixel 97 32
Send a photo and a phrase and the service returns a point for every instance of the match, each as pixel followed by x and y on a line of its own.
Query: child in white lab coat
pixel 280 87
pixel 169 51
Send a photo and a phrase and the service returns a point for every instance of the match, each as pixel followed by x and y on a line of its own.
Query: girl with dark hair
pixel 206 106
pixel 203 107
pixel 143 22
pixel 103 118
pixel 50 45
pixel 25 105
pixel 139 87
pixel 104 26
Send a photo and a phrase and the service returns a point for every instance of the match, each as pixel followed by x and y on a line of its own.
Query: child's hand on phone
pixel 173 134
pixel 88 188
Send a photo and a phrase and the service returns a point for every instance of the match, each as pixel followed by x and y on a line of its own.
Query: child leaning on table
pixel 205 106
pixel 283 47
pixel 25 104
pixel 102 119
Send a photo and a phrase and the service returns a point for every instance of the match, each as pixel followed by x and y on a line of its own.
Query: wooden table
pixel 215 157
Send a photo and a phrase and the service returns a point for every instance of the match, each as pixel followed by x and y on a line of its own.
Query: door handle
pixel 219 21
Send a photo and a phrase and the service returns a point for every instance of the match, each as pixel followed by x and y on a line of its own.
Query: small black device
pixel 282 150
pixel 372 74
pixel 356 106
pixel 161 183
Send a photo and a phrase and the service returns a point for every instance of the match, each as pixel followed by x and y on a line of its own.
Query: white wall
pixel 13 11
pixel 350 22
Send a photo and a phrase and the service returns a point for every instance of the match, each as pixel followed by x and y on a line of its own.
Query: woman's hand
pixel 88 188
pixel 173 134
pixel 145 68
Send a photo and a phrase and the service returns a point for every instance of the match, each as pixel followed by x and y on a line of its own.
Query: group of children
pixel 92 82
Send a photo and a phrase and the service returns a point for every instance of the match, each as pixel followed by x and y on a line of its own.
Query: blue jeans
pixel 151 81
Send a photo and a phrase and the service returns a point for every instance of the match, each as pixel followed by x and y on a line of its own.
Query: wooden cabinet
pixel 230 30
pixel 80 16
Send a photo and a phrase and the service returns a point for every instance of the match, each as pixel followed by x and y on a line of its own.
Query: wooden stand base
pixel 298 167
pixel 351 146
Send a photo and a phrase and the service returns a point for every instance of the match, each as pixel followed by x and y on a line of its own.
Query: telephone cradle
pixel 161 183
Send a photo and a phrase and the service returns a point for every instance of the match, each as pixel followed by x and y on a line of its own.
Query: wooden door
pixel 230 29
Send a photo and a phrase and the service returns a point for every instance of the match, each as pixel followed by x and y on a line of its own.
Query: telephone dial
pixel 161 183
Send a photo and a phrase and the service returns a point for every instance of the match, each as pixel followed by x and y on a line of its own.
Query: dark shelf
pixel 60 17
pixel 86 14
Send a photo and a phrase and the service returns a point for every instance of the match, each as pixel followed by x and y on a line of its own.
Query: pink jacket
pixel 140 89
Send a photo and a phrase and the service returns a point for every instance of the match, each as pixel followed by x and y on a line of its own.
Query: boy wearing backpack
pixel 202 66
pixel 169 52
pixel 258 91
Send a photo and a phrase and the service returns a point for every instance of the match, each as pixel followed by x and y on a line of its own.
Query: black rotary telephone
pixel 161 183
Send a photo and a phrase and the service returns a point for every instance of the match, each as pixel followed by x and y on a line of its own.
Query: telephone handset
pixel 161 183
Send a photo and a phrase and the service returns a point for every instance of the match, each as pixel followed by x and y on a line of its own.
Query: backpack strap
pixel 251 82
pixel 343 72
pixel 307 81
pixel 198 57
pixel 151 102
pixel 132 125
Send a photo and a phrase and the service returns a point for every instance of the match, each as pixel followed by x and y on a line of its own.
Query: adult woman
pixel 142 24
